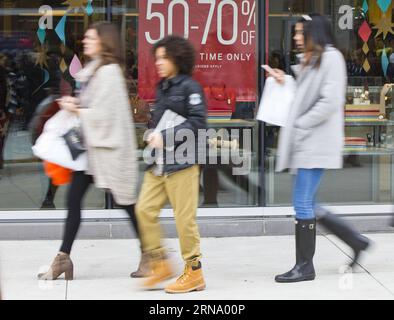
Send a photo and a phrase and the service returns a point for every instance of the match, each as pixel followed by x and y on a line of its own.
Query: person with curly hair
pixel 173 179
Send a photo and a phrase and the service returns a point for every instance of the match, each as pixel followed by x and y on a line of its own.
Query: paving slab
pixel 234 268
pixel 378 261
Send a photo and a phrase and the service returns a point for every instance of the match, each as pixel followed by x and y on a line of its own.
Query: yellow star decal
pixel 384 26
pixel 42 57
pixel 76 4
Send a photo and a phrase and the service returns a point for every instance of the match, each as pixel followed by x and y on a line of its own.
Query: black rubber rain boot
pixel 343 231
pixel 305 234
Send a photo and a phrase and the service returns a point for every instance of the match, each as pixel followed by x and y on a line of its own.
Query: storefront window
pixel 38 64
pixel 40 51
pixel 38 57
pixel 365 35
pixel 224 35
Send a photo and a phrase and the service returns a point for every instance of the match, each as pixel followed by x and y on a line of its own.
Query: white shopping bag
pixel 52 147
pixel 169 120
pixel 276 101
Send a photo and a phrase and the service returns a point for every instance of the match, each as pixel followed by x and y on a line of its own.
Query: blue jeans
pixel 306 185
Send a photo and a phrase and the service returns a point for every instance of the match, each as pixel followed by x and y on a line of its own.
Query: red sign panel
pixel 224 35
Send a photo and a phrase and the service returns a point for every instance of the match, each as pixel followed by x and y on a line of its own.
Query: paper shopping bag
pixel 276 101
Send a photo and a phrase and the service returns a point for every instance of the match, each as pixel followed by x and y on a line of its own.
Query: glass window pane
pixel 226 68
pixel 36 65
pixel 367 177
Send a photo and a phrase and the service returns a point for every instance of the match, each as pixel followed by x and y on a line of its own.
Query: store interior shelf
pixel 369 123
pixel 371 151
pixel 219 123
pixel 231 123
pixel 360 123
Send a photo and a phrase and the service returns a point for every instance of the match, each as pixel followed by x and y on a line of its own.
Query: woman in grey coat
pixel 313 139
pixel 107 125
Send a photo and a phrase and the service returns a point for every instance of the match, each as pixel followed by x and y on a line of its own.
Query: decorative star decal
pixel 384 26
pixel 42 57
pixel 76 4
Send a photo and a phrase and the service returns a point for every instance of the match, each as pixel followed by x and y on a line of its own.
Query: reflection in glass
pixel 219 187
pixel 367 177
pixel 38 68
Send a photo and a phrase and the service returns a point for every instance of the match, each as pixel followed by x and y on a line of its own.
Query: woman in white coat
pixel 312 141
pixel 109 135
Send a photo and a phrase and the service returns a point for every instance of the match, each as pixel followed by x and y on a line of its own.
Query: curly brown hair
pixel 180 51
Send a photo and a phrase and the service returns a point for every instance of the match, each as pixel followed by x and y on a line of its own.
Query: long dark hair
pixel 317 35
pixel 112 51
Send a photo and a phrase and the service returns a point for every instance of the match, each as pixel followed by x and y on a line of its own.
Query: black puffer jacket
pixel 185 97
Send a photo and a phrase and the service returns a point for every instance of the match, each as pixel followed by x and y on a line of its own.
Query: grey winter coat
pixel 109 131
pixel 314 135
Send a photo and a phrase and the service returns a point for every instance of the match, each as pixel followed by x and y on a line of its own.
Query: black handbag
pixel 74 141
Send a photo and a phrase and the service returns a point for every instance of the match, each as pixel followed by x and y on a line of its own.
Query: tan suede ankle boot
pixel 144 268
pixel 61 264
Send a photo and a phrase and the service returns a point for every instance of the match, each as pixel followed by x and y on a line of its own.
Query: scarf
pixel 84 75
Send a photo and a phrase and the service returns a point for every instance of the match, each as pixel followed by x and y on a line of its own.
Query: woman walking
pixel 108 130
pixel 312 140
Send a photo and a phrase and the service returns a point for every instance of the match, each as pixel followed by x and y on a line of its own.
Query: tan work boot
pixel 144 268
pixel 161 271
pixel 192 279
pixel 61 264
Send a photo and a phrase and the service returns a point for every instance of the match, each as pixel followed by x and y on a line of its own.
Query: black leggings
pixel 79 186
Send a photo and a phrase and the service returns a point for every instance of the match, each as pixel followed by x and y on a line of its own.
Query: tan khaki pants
pixel 182 190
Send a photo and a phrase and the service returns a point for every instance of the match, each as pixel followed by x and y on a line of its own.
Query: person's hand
pixel 70 104
pixel 155 140
pixel 277 74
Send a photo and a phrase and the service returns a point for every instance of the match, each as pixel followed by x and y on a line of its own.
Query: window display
pixel 40 51
pixel 365 35
pixel 224 36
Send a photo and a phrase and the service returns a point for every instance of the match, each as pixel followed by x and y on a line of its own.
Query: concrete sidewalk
pixel 235 268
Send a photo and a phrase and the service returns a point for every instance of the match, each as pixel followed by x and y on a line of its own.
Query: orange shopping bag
pixel 59 175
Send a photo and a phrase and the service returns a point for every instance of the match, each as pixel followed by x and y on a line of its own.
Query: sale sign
pixel 223 33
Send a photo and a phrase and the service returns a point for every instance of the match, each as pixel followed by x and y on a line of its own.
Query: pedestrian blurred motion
pixel 316 118
pixel 180 98
pixel 104 120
